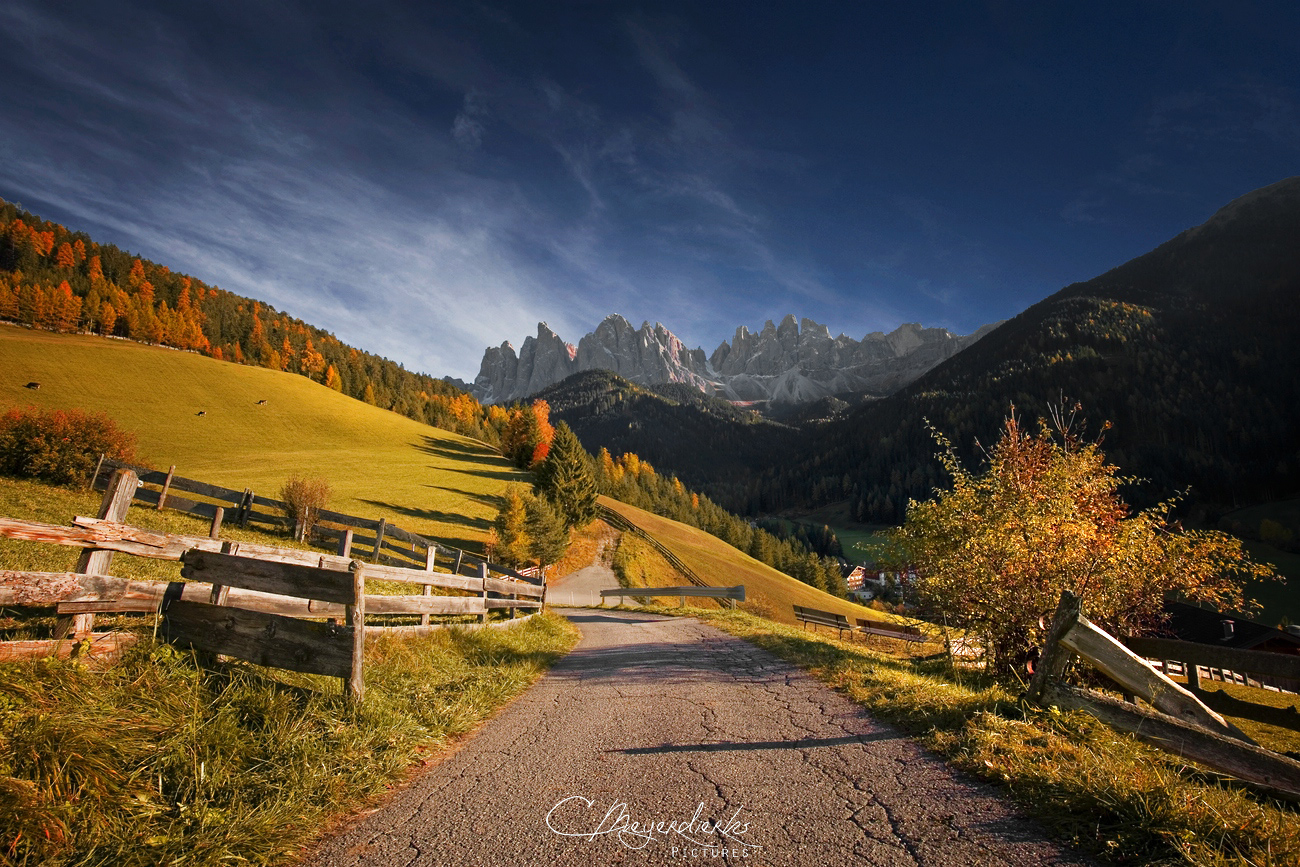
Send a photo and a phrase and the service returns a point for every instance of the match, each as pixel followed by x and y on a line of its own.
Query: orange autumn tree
pixel 527 437
pixel 994 553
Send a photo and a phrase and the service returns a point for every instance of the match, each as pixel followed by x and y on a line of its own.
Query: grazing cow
pixel 33 385
pixel 202 412
pixel 261 402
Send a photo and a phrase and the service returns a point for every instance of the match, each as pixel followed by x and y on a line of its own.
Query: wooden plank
pixel 114 506
pixel 278 505
pixel 266 518
pixel 217 517
pixel 345 543
pixel 1258 662
pixel 1242 760
pixel 355 686
pixel 379 539
pixel 401 535
pixel 285 579
pixel 1134 674
pixel 265 639
pixel 483 579
pixel 522 588
pixel 348 520
pixel 1054 658
pixel 427 604
pixel 494 604
pixel 213 492
pixel 46 589
pixel 103 646
pixel 166 488
pixel 444 580
pixel 400 550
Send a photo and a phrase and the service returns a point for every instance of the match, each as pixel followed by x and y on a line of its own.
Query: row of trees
pixel 536 526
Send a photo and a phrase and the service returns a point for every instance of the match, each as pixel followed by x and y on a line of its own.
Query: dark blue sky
pixel 428 179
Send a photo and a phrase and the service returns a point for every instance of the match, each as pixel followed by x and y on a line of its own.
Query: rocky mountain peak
pixel 794 361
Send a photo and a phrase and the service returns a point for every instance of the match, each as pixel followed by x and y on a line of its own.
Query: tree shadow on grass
pixel 457 451
pixel 492 500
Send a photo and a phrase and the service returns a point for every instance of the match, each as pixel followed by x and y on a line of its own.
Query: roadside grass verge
pixel 1102 792
pixel 154 761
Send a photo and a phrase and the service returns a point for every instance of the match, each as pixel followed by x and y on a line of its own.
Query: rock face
pixel 788 363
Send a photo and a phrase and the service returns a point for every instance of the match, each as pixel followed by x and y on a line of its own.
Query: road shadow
pixel 728 746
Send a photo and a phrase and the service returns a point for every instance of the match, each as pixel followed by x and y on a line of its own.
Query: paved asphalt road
pixel 669 725
pixel 583 586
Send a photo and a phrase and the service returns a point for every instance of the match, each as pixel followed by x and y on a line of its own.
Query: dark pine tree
pixel 566 479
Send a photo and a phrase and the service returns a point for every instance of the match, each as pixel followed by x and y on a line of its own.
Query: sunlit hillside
pixel 249 427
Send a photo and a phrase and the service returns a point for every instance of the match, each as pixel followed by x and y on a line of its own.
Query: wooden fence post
pixel 167 486
pixel 355 686
pixel 345 544
pixel 245 506
pixel 217 517
pixel 116 502
pixel 429 554
pixel 1051 664
pixel 379 539
pixel 460 556
pixel 483 575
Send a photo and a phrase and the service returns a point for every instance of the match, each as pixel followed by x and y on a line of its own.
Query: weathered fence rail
pixel 386 544
pixel 1178 722
pixel 733 594
pixel 256 602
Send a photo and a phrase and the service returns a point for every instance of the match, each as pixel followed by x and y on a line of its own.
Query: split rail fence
pixel 1178 720
pixel 380 541
pixel 278 607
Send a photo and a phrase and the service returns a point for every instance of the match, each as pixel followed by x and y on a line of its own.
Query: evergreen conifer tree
pixel 547 533
pixel 565 477
pixel 513 543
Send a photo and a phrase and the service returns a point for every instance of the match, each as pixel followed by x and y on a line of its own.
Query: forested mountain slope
pixel 1190 351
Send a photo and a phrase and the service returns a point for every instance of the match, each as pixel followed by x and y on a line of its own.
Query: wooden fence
pixel 256 602
pixel 1178 720
pixel 382 542
pixel 732 594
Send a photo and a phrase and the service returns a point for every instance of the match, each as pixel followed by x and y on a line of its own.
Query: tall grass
pixel 155 761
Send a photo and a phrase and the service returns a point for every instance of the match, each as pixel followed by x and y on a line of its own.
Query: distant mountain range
pixel 791 363
pixel 1192 351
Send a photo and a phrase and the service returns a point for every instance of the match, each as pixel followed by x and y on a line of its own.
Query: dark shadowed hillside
pixel 711 445
pixel 1189 350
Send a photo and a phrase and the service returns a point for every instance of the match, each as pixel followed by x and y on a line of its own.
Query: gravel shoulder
pixel 663 740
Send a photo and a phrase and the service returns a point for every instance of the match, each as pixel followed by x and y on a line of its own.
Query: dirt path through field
pixel 663 740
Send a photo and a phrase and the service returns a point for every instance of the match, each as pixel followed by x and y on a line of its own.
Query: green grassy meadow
pixel 379 464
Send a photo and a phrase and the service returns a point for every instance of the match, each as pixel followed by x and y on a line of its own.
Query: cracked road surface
pixel 681 723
